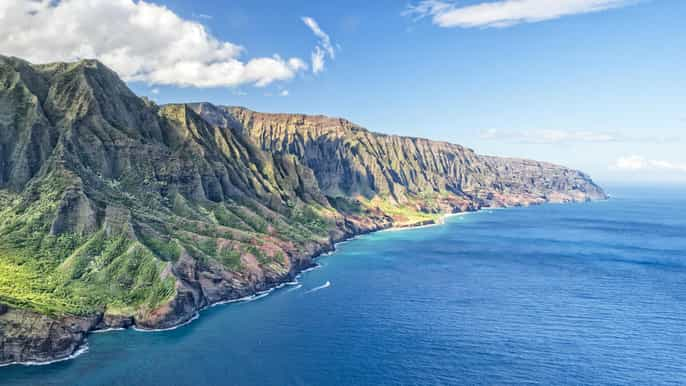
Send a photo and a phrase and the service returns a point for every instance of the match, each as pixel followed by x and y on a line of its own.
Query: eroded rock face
pixel 30 337
pixel 552 182
pixel 76 214
pixel 349 160
pixel 162 211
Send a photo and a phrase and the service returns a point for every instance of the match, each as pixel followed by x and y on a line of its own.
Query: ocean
pixel 591 293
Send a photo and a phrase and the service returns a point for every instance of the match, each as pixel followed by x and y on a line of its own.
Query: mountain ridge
pixel 313 137
pixel 117 212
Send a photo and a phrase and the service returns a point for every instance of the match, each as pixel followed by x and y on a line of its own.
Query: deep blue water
pixel 558 294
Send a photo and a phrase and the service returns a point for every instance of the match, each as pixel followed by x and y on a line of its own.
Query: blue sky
pixel 602 91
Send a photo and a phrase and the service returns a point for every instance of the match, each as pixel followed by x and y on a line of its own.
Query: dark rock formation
pixel 31 337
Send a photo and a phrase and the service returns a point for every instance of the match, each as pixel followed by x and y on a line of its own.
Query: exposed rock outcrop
pixel 31 337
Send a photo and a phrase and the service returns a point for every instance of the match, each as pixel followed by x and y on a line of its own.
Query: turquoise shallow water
pixel 558 294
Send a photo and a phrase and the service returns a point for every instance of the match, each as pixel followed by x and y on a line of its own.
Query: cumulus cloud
pixel 323 47
pixel 505 13
pixel 637 162
pixel 565 136
pixel 140 40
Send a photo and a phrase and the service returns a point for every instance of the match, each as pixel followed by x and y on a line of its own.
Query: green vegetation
pixel 229 219
pixel 72 273
pixel 310 219
pixel 105 192
pixel 402 215
pixel 80 274
pixel 347 205
pixel 258 253
pixel 208 247
pixel 101 272
pixel 253 220
pixel 167 250
pixel 230 258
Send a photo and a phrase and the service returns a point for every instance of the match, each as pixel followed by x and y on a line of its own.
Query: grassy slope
pixel 83 274
pixel 124 269
pixel 75 274
pixel 70 273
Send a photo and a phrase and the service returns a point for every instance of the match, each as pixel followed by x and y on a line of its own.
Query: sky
pixel 597 85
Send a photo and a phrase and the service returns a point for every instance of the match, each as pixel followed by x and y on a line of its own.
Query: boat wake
pixel 321 287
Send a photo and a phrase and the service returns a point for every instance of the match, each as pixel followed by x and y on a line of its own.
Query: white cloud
pixel 323 47
pixel 565 136
pixel 284 93
pixel 633 162
pixel 155 90
pixel 505 13
pixel 324 38
pixel 637 162
pixel 317 60
pixel 141 41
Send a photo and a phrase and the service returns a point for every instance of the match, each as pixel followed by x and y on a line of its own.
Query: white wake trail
pixel 315 289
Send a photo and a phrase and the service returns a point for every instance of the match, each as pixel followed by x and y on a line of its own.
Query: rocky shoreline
pixel 68 335
pixel 74 331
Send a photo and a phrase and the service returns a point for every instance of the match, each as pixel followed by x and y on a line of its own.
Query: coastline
pixel 289 280
pixel 81 349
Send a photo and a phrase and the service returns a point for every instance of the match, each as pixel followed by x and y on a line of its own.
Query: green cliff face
pixel 402 172
pixel 116 212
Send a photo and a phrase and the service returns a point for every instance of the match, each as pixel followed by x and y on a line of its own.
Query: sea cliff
pixel 116 212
